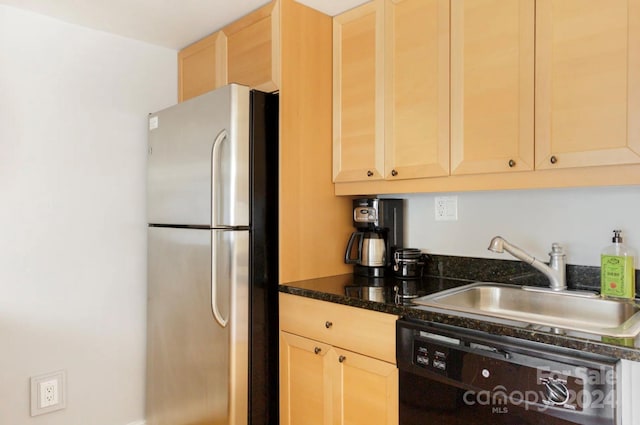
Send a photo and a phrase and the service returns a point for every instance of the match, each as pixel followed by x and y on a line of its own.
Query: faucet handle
pixel 557 258
pixel 556 249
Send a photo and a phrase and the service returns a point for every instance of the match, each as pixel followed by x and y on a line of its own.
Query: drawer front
pixel 362 331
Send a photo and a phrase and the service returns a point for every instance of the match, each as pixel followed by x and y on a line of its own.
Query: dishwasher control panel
pixel 436 358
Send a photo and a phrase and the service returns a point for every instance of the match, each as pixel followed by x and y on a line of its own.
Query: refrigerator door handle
pixel 215 161
pixel 214 285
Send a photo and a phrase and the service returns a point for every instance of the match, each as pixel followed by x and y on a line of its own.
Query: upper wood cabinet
pixel 358 93
pixel 391 91
pixel 286 46
pixel 202 66
pixel 305 150
pixel 545 91
pixel 245 52
pixel 492 77
pixel 587 83
pixel 416 88
pixel 253 49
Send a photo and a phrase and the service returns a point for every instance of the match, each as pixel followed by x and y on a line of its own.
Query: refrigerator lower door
pixel 196 368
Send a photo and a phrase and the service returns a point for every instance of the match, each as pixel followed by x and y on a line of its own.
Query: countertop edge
pixel 575 343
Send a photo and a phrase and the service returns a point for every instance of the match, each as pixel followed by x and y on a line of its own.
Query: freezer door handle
pixel 215 164
pixel 214 285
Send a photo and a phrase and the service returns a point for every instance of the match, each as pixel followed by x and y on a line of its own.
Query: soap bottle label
pixel 618 276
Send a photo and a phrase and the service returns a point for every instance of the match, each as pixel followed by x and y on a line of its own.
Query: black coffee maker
pixel 379 233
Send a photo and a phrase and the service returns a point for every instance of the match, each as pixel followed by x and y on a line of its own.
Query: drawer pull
pixel 512 163
pixel 328 324
pixel 317 350
pixel 553 159
pixel 369 173
pixel 394 173
pixel 341 359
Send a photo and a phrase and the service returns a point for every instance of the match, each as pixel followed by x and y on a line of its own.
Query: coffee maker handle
pixel 347 254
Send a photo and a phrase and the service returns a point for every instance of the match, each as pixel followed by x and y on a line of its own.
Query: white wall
pixel 73 106
pixel 581 220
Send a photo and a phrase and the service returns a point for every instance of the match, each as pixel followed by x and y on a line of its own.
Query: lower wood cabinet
pixel 322 383
pixel 304 380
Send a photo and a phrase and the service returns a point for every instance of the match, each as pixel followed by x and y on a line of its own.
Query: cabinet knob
pixel 394 173
pixel 369 173
pixel 328 324
pixel 317 350
pixel 512 163
pixel 341 359
pixel 553 159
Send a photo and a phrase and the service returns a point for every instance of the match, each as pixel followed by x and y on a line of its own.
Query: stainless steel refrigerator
pixel 212 260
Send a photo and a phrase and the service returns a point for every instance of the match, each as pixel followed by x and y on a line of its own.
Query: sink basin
pixel 564 310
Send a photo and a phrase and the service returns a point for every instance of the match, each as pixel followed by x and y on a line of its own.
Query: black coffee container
pixel 408 263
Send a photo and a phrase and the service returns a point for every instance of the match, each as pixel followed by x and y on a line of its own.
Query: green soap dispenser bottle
pixel 618 269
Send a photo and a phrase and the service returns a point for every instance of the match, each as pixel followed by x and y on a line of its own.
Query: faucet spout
pixel 497 245
pixel 555 271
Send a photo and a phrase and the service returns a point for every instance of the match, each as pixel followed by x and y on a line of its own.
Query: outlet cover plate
pixel 446 208
pixel 54 381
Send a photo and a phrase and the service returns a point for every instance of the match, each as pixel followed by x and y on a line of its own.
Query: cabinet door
pixel 253 49
pixel 358 108
pixel 587 83
pixel 492 77
pixel 202 66
pixel 305 376
pixel 629 390
pixel 365 390
pixel 417 88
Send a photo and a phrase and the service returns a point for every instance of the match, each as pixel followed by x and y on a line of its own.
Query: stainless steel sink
pixel 563 310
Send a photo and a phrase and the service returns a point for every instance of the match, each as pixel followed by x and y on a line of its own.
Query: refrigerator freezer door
pixel 198 161
pixel 197 369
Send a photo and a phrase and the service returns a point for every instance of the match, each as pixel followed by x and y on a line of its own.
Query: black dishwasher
pixel 455 376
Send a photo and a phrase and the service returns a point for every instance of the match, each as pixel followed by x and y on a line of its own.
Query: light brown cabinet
pixel 308 204
pixel 568 115
pixel 358 94
pixel 286 46
pixel 305 380
pixel 315 376
pixel 492 76
pixel 416 88
pixel 202 66
pixel 391 84
pixel 337 364
pixel 587 83
pixel 245 52
pixel 253 49
pixel 365 390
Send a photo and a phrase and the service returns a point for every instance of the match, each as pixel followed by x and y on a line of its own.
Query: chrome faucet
pixel 555 271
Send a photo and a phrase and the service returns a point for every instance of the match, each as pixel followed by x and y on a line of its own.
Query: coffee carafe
pixel 378 234
pixel 371 250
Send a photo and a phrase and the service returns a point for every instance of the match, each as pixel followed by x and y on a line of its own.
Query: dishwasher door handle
pixel 488 349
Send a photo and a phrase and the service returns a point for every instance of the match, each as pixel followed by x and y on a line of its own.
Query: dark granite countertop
pixel 392 295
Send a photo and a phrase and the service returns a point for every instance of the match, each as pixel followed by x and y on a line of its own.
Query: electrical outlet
pixel 48 392
pixel 446 208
